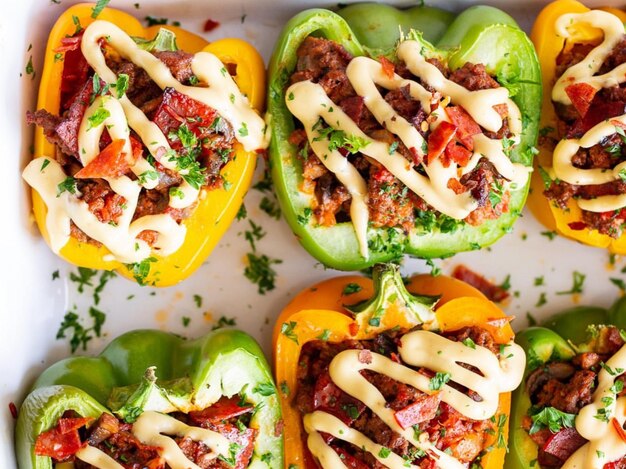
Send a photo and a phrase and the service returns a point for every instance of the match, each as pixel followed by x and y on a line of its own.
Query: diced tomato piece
pixel 58 445
pixel 422 410
pixel 383 175
pixel 389 69
pixel 67 425
pixel 466 126
pixel 110 162
pixel 137 148
pixel 457 153
pixel 582 95
pixel 178 108
pixel 353 328
pixel 210 25
pixel 328 397
pixel 224 409
pixel 577 225
pixel 70 43
pixel 349 460
pixel 491 291
pixel 415 156
pixel 439 139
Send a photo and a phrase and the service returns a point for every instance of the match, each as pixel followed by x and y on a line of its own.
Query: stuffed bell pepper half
pixel 579 189
pixel 401 131
pixel 570 411
pixel 396 380
pixel 145 143
pixel 214 405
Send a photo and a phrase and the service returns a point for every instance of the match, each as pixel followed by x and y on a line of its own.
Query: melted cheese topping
pixel 149 429
pixel 585 72
pixel 97 458
pixel 221 94
pixel 595 421
pixel 308 102
pixel 418 349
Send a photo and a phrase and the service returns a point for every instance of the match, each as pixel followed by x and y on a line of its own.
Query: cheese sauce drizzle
pixel 584 72
pixel 596 421
pixel 308 102
pixel 221 94
pixel 417 349
pixel 149 428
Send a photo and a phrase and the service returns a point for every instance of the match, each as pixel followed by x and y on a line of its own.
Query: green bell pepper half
pixel 480 35
pixel 560 337
pixel 192 375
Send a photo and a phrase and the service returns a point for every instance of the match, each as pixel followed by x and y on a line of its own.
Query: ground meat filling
pixel 568 387
pixel 390 203
pixel 169 109
pixel 115 438
pixel 607 103
pixel 450 431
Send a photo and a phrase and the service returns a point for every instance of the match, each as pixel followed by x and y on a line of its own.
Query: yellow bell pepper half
pixel 217 208
pixel 549 45
pixel 320 311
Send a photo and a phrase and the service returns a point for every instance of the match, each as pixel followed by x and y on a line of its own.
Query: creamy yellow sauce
pixel 585 72
pixel 221 94
pixel 308 102
pixel 418 349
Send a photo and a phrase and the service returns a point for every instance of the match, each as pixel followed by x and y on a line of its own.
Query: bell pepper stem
pixel 389 290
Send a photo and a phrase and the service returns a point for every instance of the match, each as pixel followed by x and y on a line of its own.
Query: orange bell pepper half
pixel 549 45
pixel 216 208
pixel 320 311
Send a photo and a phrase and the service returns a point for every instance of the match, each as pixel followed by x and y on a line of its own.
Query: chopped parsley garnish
pixel 551 418
pixel 30 70
pixel 197 299
pixel 577 286
pixel 254 234
pixel 468 342
pixel 242 213
pixel 324 336
pixel 305 216
pixel 76 21
pixel 339 139
pixel 352 288
pixel 223 321
pixel 151 175
pixel 121 85
pixel 177 192
pixel 438 381
pixel 44 165
pixel 186 320
pixel 542 300
pixel 259 271
pixel 98 7
pixel 98 117
pixel 243 130
pixel 265 389
pixel 270 207
pixel 619 283
pixel 384 452
pixel 140 270
pixel 81 335
pixel 68 184
pixel 287 329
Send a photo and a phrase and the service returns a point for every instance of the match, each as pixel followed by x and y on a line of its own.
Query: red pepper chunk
pixel 224 409
pixel 466 126
pixel 439 139
pixel 582 95
pixel 457 153
pixel 389 69
pixel 422 410
pixel 62 441
pixel 110 162
pixel 210 25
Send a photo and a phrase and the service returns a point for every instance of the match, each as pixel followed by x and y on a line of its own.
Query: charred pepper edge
pixel 337 246
pixel 85 384
pixel 206 225
pixel 320 311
